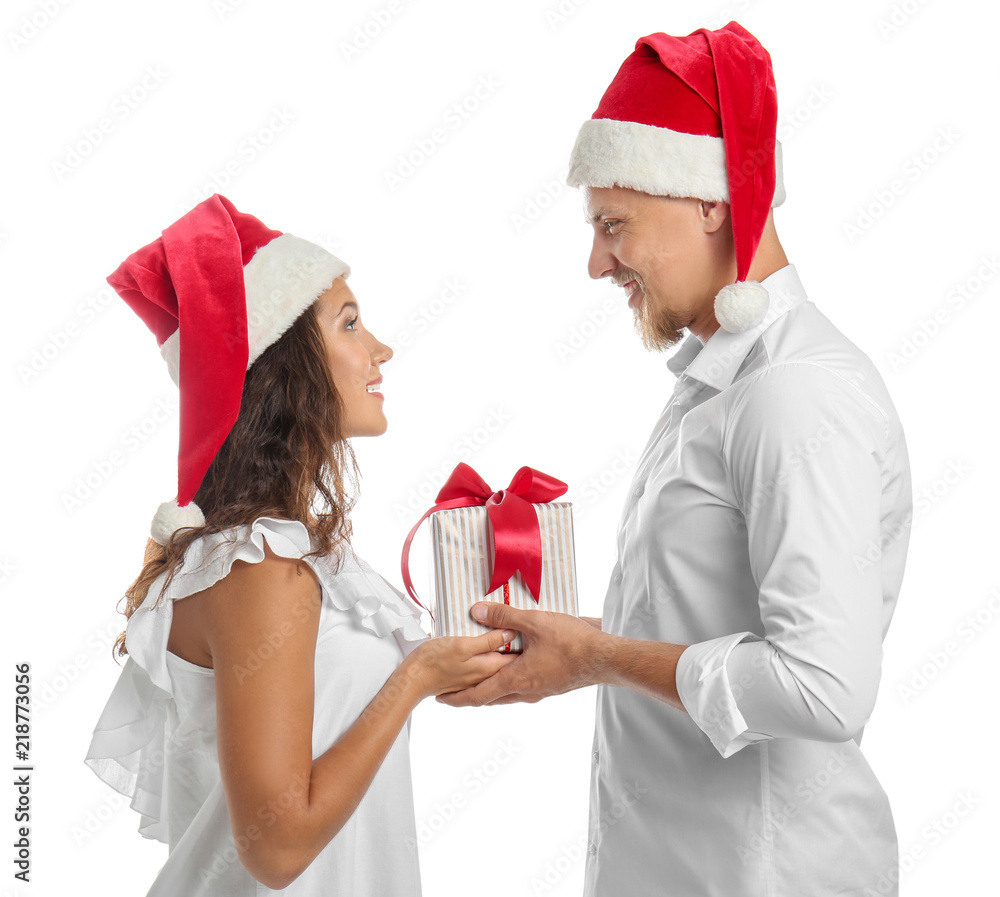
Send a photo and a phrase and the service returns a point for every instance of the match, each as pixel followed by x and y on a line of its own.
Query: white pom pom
pixel 170 517
pixel 741 306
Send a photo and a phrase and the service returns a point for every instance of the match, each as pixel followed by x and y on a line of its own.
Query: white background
pixel 863 88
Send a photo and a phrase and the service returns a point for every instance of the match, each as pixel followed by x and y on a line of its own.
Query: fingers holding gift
pixel 493 640
pixel 503 616
pixel 454 663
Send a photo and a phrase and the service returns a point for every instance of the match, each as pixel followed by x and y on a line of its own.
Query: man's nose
pixel 602 262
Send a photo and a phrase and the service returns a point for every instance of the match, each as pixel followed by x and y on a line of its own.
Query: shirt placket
pixel 686 390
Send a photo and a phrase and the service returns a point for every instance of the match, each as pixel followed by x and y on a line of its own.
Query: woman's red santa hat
pixel 694 116
pixel 216 289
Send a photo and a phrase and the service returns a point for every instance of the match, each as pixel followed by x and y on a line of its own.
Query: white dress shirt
pixel 766 527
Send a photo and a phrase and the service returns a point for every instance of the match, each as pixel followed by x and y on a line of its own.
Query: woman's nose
pixel 379 351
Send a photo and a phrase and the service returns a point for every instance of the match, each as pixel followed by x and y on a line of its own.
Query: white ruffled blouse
pixel 156 738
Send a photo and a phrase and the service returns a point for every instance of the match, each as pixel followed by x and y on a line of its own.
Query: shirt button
pixel 618 577
pixel 592 848
pixel 597 755
pixel 639 491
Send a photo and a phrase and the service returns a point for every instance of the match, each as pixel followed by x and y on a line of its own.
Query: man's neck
pixel 770 257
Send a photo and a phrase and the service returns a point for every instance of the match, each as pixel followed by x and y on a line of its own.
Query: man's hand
pixel 561 652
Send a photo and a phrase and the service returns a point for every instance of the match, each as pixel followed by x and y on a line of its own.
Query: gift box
pixel 513 546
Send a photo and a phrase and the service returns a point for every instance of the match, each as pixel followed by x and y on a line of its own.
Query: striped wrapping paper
pixel 463 568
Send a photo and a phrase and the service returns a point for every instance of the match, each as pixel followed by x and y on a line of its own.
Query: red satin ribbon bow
pixel 517 540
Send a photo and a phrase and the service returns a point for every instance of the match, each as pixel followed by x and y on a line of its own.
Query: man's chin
pixel 657 339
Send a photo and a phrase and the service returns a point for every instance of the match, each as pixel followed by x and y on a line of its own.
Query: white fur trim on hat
pixel 654 160
pixel 283 278
pixel 170 517
pixel 741 306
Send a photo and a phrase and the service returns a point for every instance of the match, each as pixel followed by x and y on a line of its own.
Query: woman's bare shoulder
pixel 274 593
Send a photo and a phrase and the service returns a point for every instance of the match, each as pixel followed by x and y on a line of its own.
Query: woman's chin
pixel 376 428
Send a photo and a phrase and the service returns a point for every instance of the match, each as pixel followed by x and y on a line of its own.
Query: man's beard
pixel 658 328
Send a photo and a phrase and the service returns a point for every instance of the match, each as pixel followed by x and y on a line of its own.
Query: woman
pixel 258 724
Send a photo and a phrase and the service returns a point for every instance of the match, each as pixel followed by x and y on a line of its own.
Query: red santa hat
pixel 216 289
pixel 694 116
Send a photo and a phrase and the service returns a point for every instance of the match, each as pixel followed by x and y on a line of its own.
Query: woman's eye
pixel 352 322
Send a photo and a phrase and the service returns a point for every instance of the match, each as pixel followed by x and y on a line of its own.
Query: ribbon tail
pixel 532 576
pixel 517 541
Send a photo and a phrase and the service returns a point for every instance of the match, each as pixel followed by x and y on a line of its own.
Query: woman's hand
pixel 451 663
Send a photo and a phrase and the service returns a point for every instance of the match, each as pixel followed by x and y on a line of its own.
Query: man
pixel 762 543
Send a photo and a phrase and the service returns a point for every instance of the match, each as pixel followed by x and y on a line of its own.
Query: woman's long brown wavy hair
pixel 287 448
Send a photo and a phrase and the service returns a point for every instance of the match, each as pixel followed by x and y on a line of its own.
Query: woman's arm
pixel 261 624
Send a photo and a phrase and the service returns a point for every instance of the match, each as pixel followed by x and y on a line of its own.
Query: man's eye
pixel 608 224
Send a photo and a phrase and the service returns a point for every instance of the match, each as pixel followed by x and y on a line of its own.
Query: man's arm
pixel 804 452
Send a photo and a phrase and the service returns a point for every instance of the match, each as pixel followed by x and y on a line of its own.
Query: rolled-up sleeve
pixel 803 451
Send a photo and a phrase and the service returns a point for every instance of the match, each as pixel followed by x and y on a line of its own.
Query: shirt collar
pixel 716 362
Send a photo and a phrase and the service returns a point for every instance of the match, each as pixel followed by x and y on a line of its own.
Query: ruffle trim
pixel 130 748
pixel 376 610
pixel 356 588
pixel 377 605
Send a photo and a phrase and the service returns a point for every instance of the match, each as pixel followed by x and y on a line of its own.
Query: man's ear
pixel 713 215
